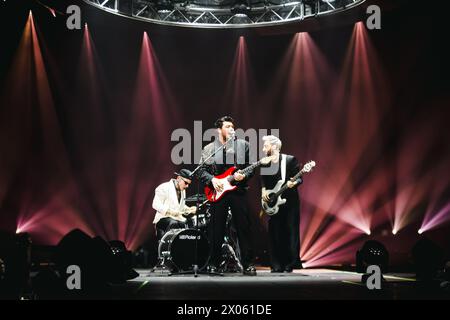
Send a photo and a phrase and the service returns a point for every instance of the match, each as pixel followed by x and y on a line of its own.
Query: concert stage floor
pixel 301 284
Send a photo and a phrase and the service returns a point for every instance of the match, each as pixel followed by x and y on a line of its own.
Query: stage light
pixel 100 262
pixel 394 232
pixel 420 231
pixel 121 269
pixel 15 256
pixel 164 6
pixel 47 284
pixel 428 259
pixel 311 6
pixel 372 253
pixel 241 8
pixel 92 256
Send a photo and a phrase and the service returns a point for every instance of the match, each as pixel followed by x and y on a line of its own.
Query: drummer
pixel 170 203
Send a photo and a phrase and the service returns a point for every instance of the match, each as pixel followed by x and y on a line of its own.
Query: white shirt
pixel 166 199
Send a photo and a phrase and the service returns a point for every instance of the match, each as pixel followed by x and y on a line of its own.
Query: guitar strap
pixel 283 167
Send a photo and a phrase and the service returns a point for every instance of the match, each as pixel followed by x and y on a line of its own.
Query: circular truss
pixel 223 13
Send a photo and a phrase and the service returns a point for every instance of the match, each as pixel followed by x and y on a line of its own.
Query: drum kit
pixel 179 250
pixel 177 246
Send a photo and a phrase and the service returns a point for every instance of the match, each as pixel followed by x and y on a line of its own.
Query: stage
pixel 313 284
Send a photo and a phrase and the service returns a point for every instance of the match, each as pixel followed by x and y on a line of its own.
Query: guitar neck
pixel 246 171
pixel 298 175
pixel 284 187
pixel 250 168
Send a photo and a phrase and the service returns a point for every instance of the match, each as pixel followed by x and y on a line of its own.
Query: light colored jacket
pixel 166 199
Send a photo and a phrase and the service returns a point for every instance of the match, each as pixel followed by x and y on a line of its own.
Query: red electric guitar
pixel 228 182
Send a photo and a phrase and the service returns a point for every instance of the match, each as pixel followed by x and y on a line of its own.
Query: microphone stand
pixel 195 269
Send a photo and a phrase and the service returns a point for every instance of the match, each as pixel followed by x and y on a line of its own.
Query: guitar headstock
pixel 309 166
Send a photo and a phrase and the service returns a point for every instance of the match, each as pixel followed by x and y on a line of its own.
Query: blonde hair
pixel 273 140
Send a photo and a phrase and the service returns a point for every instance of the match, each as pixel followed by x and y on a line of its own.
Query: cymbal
pixel 201 198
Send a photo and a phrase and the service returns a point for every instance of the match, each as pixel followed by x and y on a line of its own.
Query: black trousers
pixel 237 202
pixel 284 236
pixel 166 224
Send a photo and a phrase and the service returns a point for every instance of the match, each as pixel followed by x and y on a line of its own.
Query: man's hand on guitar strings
pixel 239 176
pixel 217 184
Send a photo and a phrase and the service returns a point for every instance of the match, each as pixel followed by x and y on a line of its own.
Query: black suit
pixel 234 200
pixel 284 234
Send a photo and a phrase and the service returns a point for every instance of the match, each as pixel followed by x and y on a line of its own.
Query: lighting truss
pixel 198 14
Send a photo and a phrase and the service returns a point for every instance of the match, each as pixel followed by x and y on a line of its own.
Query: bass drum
pixel 177 249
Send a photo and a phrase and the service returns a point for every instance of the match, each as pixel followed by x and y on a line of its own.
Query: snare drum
pixel 177 248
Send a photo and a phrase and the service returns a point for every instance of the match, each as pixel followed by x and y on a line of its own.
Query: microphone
pixel 232 135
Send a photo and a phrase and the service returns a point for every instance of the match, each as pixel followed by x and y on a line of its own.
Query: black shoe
pixel 288 269
pixel 297 265
pixel 250 271
pixel 276 270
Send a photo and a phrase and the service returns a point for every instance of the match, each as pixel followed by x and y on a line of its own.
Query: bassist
pixel 284 235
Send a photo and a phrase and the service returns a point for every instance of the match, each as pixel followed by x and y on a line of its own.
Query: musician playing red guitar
pixel 234 153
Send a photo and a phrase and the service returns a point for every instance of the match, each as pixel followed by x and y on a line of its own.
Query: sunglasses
pixel 186 182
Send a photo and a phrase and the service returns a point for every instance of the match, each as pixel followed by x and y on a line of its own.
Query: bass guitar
pixel 272 206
